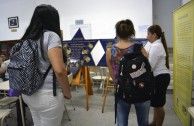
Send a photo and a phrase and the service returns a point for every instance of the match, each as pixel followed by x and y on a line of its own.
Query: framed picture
pixel 13 22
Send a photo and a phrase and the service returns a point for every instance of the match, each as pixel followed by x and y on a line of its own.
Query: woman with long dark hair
pixel 44 28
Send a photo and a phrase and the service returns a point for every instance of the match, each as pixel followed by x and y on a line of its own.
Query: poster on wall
pixel 183 30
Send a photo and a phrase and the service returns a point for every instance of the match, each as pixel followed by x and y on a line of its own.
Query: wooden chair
pixel 109 85
pixel 99 77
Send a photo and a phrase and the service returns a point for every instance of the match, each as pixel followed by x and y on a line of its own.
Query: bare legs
pixel 158 117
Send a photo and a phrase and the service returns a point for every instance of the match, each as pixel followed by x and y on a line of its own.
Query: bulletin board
pixel 88 52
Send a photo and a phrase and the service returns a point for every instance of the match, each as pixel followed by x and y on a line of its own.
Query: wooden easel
pixel 85 74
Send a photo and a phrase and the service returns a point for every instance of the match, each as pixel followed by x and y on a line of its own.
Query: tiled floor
pixel 95 117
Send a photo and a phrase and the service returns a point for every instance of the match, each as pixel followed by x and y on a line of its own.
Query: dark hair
pixel 45 17
pixel 158 31
pixel 125 29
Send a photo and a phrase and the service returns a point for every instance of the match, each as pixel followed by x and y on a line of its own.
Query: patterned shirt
pixel 116 54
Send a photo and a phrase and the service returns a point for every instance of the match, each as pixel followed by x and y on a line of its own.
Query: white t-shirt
pixel 147 46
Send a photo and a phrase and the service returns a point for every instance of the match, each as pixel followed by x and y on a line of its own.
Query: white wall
pixel 163 16
pixel 21 8
pixel 101 14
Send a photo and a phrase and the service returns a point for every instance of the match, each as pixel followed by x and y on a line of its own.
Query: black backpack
pixel 135 79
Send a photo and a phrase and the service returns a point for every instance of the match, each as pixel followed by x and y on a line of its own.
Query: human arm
pixel 1 61
pixel 56 58
pixel 108 62
pixel 144 52
pixel 3 68
pixel 147 47
pixel 154 56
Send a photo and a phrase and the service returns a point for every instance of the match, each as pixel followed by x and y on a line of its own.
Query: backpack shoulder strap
pixel 137 47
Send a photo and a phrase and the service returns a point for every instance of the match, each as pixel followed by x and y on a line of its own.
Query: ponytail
pixel 166 49
pixel 157 29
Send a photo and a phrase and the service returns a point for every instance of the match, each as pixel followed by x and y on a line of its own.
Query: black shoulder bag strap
pixel 54 85
pixel 116 90
pixel 46 73
pixel 54 76
pixel 137 48
pixel 54 79
pixel 116 99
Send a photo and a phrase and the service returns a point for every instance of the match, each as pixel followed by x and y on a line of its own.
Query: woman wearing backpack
pixel 125 32
pixel 158 57
pixel 44 28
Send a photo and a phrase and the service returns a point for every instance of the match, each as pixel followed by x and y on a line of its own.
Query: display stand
pixel 82 78
pixel 183 60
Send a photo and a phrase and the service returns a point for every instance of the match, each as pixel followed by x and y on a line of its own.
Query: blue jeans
pixel 142 112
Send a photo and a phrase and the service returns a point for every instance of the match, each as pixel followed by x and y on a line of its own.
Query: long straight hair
pixel 45 17
pixel 158 31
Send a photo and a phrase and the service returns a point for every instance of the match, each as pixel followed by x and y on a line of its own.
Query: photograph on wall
pixel 13 22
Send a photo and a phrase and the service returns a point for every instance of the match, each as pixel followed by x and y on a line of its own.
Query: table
pixel 191 112
pixel 4 86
